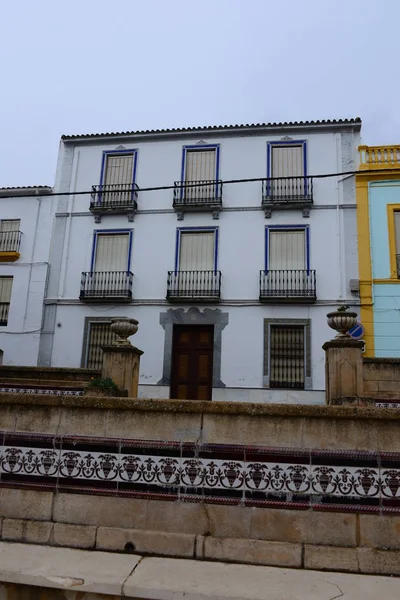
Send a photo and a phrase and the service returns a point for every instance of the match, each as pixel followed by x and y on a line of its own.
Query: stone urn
pixel 342 321
pixel 123 328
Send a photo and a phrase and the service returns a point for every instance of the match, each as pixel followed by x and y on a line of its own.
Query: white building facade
pixel 26 220
pixel 230 282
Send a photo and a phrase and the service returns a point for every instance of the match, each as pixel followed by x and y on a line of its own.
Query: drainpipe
pixel 39 206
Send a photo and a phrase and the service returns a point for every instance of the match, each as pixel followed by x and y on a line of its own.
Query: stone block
pixel 145 542
pixel 389 386
pixel 308 527
pixel 370 387
pixel 247 430
pixel 255 552
pixel 329 558
pixel 32 532
pixel 38 419
pixel 8 417
pixel 339 434
pixel 84 421
pixel 105 511
pixel 177 517
pixel 74 536
pixel 378 531
pixel 379 562
pixel 29 504
pixel 379 371
pixel 228 521
pixel 153 425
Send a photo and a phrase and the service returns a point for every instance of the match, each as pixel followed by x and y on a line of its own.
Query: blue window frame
pixel 181 230
pixel 107 153
pixel 98 232
pixel 305 228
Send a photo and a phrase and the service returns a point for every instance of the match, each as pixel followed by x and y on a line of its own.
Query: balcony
pixel 4 308
pixel 118 199
pixel 287 192
pixel 198 196
pixel 106 286
pixel 296 286
pixel 379 157
pixel 189 286
pixel 10 242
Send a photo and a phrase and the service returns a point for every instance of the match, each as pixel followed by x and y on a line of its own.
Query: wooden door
pixel 192 362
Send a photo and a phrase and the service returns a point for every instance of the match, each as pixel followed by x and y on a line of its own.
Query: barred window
pixel 287 357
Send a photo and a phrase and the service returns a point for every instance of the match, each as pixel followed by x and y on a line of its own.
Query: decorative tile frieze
pixel 232 474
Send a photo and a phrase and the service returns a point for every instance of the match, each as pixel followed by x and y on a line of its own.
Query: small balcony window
pixel 10 240
pixel 199 189
pixel 287 184
pixel 117 192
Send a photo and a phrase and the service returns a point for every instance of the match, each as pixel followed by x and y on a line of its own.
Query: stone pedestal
pixel 343 369
pixel 121 364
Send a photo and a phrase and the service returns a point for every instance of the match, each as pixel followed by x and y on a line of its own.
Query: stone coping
pixel 81 573
pixel 204 407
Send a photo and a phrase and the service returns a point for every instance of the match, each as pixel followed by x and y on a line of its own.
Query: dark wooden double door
pixel 192 362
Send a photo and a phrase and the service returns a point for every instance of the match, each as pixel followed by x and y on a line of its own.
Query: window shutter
pixel 200 165
pixel 119 169
pixel 287 161
pixel 197 251
pixel 5 289
pixel 287 250
pixel 112 252
pixel 10 225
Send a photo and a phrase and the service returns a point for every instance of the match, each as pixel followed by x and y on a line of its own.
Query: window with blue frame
pixel 287 247
pixel 287 159
pixel 111 250
pixel 117 179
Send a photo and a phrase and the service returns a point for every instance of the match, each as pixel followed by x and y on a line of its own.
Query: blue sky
pixel 93 65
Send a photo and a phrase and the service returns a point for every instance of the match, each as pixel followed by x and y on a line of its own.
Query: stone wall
pixel 382 378
pixel 265 484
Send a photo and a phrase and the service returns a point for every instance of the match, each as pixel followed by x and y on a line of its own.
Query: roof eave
pixel 351 124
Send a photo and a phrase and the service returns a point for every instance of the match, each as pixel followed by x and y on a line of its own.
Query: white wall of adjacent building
pixel 19 339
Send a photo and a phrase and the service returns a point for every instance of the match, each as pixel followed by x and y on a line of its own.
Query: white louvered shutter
pixel 197 251
pixel 10 225
pixel 5 289
pixel 287 161
pixel 112 252
pixel 119 169
pixel 287 250
pixel 200 166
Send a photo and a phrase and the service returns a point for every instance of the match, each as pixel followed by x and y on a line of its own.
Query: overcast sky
pixel 100 65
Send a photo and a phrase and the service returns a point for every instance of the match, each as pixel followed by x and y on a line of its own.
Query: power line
pixel 196 184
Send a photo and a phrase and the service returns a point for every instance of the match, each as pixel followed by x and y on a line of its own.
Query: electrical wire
pixel 196 184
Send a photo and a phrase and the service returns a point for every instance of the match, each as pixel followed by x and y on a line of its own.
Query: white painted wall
pixel 19 340
pixel 241 251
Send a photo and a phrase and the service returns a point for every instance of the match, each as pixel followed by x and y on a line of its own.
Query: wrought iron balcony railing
pixel 287 192
pixel 10 241
pixel 104 286
pixel 4 308
pixel 116 199
pixel 198 196
pixel 194 285
pixel 290 285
